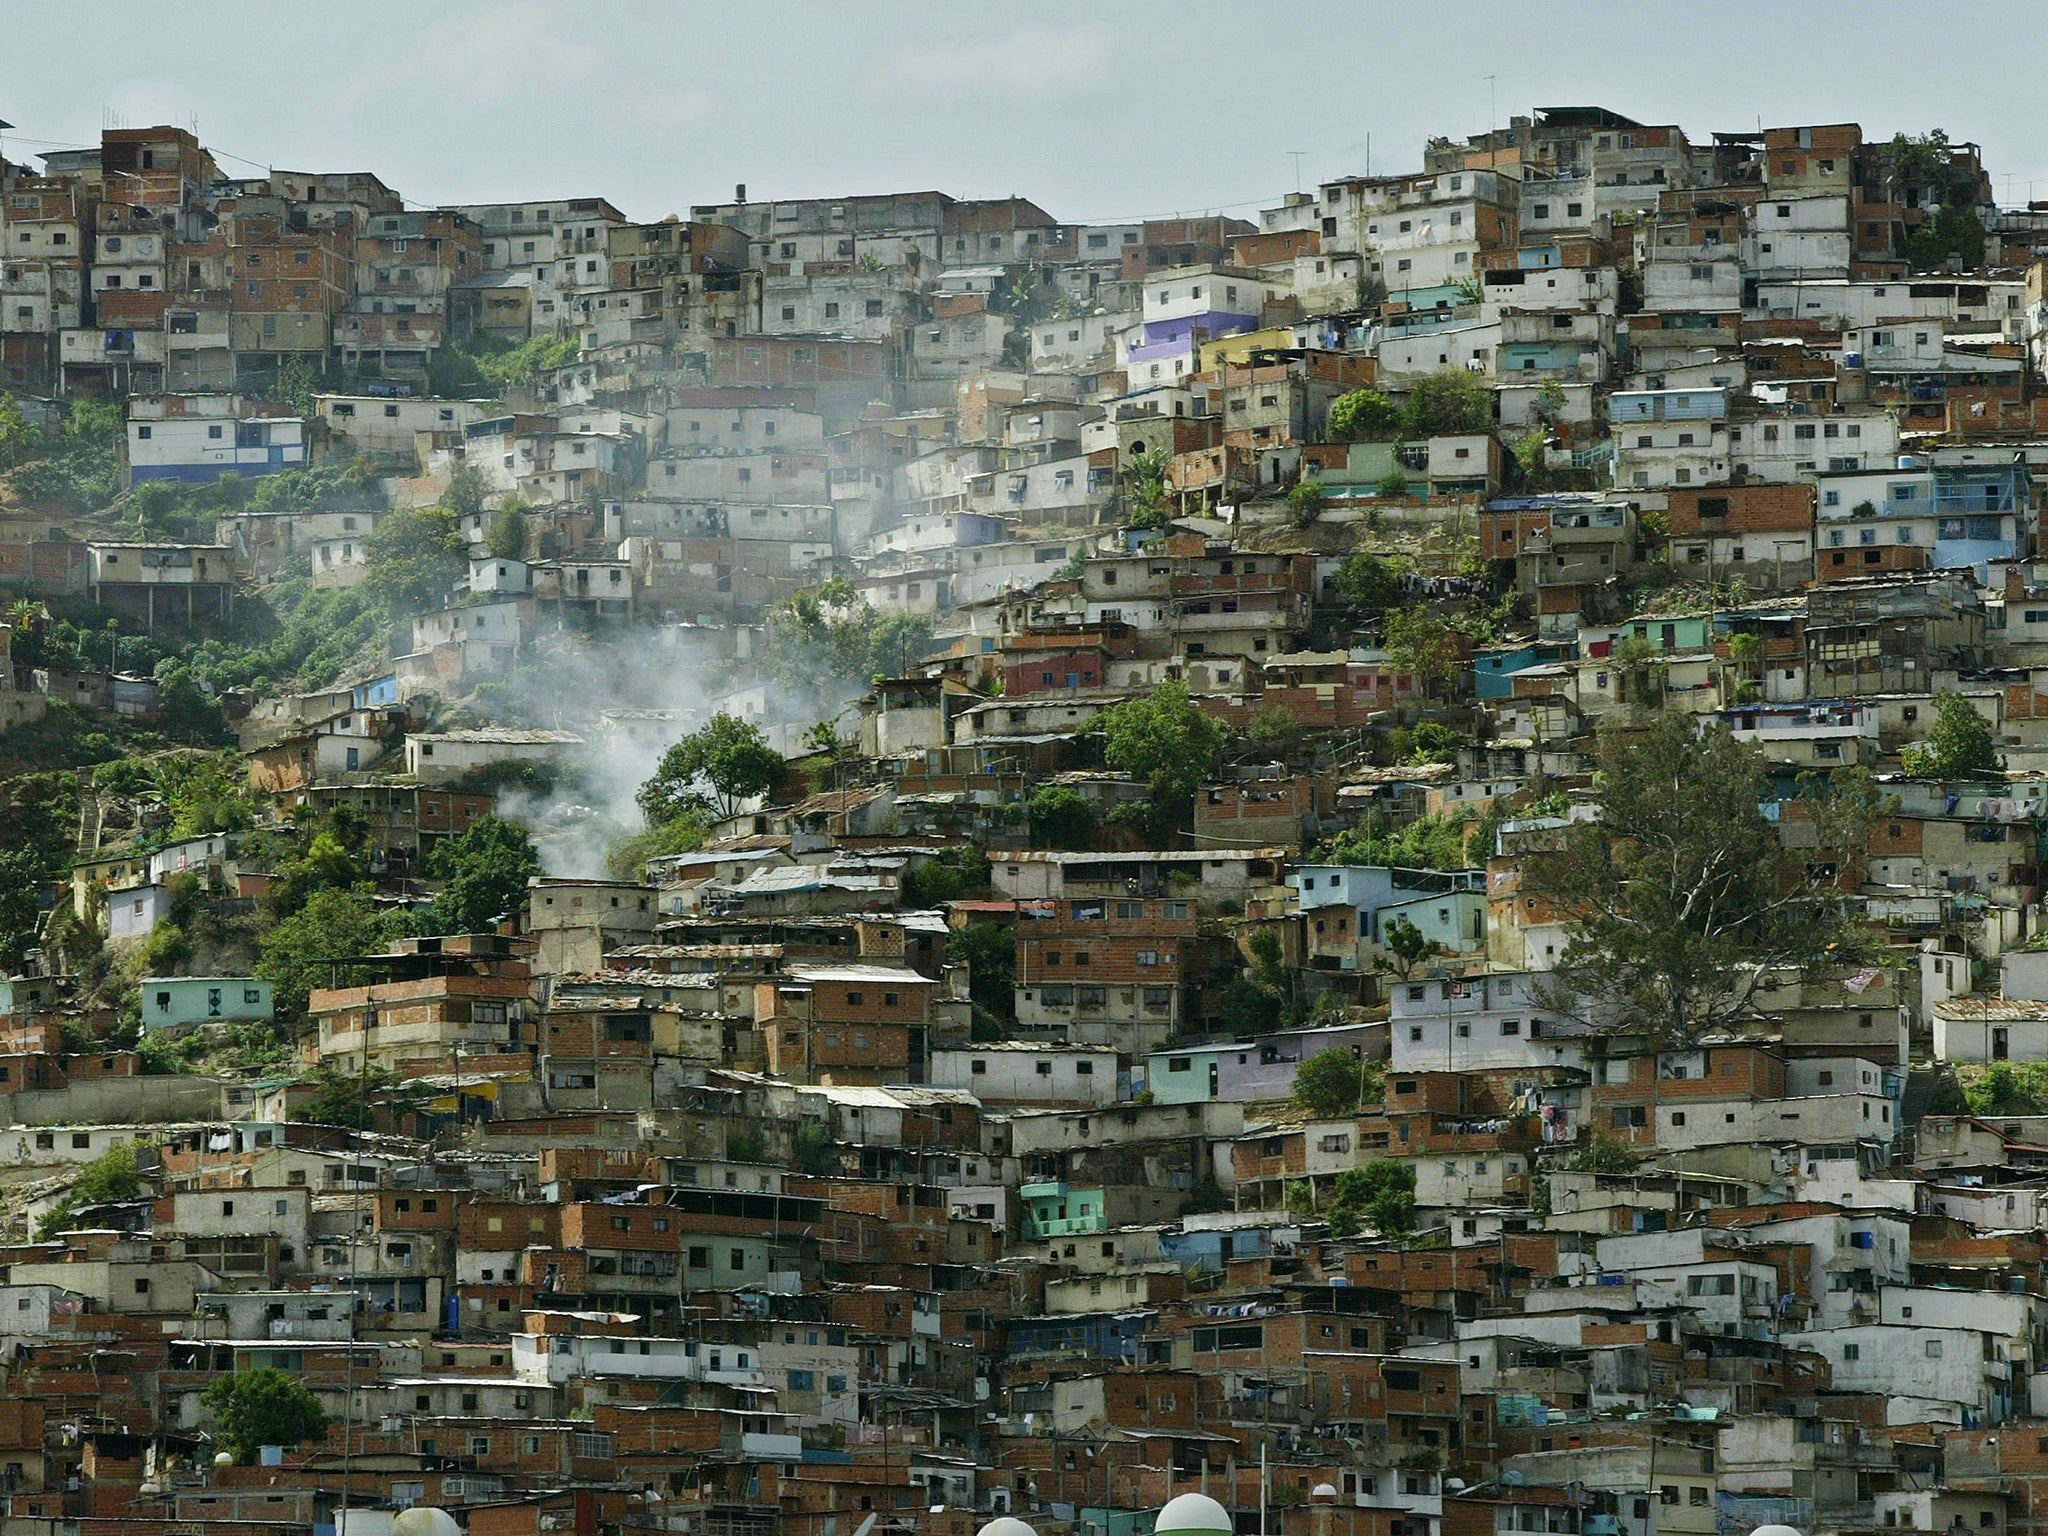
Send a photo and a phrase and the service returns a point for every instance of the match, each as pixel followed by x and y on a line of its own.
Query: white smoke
pixel 630 697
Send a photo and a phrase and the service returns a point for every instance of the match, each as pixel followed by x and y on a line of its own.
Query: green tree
pixel 1381 1194
pixel 630 855
pixel 1271 727
pixel 1436 840
pixel 327 863
pixel 297 382
pixel 823 736
pixel 730 755
pixel 958 874
pixel 830 641
pixel 1305 503
pixel 110 1176
pixel 812 1150
pixel 1418 641
pixel 1641 663
pixel 896 642
pixel 1427 741
pixel 20 438
pixel 1166 741
pixel 1746 650
pixel 2007 1089
pixel 1684 897
pixel 1246 1008
pixel 485 872
pixel 526 362
pixel 1146 502
pixel 1269 966
pixel 1329 1083
pixel 1393 485
pixel 413 560
pixel 204 794
pixel 263 1406
pixel 990 951
pixel 1061 817
pixel 294 954
pixel 30 631
pixel 1449 402
pixel 1368 581
pixel 346 1099
pixel 79 466
pixel 1959 744
pixel 1532 466
pixel 1407 945
pixel 1363 415
pixel 1603 1154
pixel 467 488
pixel 38 818
pixel 505 535
pixel 1949 232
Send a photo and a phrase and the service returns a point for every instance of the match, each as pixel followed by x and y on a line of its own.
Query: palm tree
pixel 26 619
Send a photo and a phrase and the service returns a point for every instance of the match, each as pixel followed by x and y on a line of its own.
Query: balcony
pixel 1193 585
pixel 1240 619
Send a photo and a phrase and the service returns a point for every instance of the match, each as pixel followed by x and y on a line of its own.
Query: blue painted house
pixel 1105 1335
pixel 1494 666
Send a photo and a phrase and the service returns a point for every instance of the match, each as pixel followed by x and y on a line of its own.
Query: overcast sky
pixel 1100 111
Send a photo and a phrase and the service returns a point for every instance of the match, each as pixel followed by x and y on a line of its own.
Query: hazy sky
pixel 1102 111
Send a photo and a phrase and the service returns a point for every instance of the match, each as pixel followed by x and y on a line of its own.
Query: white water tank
pixel 425 1520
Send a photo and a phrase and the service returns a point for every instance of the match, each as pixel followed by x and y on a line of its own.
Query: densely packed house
pixel 946 1138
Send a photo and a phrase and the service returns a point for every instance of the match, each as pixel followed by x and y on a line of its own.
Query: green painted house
pixel 171 1002
pixel 1056 1210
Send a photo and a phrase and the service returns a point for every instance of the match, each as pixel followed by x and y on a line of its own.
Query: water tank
pixel 1909 461
pixel 1194 1513
pixel 1006 1525
pixel 424 1520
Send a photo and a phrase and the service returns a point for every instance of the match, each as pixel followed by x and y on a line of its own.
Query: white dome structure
pixel 1324 1493
pixel 1006 1525
pixel 1775 1530
pixel 1191 1514
pixel 424 1520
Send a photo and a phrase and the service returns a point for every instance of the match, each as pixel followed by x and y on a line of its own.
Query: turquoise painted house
pixel 25 994
pixel 171 1002
pixel 1455 919
pixel 1677 633
pixel 1055 1210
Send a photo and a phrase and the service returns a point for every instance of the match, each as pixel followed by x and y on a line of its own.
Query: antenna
pixel 1296 154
